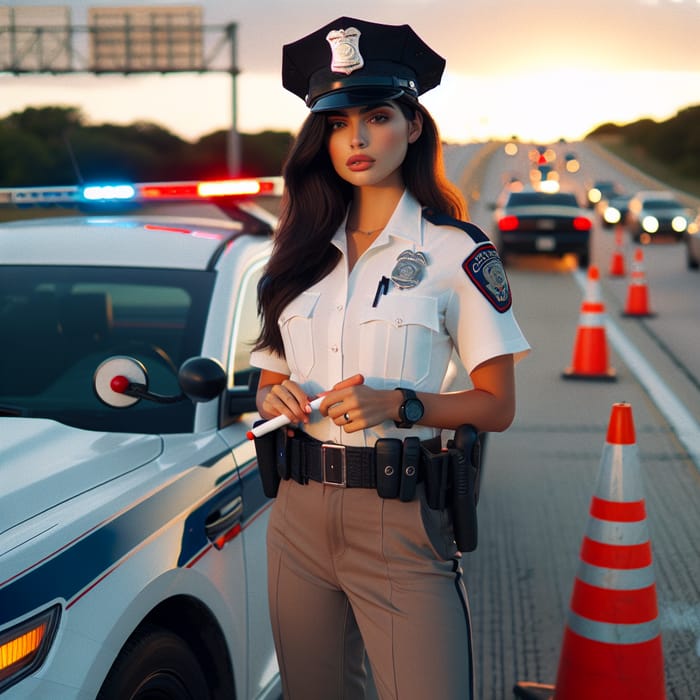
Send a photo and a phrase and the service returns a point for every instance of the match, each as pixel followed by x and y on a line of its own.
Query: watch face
pixel 413 410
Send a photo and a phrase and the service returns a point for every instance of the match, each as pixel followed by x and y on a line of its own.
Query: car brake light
pixel 508 223
pixel 581 223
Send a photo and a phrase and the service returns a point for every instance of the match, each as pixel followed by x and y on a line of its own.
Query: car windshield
pixel 527 199
pixel 59 323
pixel 662 204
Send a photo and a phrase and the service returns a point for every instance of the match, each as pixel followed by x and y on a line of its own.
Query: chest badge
pixel 409 269
pixel 345 49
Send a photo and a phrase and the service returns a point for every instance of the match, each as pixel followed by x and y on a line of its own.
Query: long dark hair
pixel 314 204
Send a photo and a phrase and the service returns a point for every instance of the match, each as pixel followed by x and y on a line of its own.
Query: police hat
pixel 352 63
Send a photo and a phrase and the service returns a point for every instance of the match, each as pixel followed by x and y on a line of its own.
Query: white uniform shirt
pixel 332 330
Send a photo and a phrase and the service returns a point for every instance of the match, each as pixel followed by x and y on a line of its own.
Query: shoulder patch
pixel 440 219
pixel 485 269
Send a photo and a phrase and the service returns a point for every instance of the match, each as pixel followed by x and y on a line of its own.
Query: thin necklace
pixel 365 233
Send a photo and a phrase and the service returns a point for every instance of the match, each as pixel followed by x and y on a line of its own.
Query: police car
pixel 132 517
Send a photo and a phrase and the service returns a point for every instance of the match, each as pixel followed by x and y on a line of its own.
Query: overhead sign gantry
pixel 125 40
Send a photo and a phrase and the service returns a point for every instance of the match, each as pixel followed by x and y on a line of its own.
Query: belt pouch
pixel 283 452
pixel 436 470
pixel 266 451
pixel 387 460
pixel 409 468
pixel 293 464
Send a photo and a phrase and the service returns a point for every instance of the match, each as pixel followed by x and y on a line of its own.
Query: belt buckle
pixel 333 464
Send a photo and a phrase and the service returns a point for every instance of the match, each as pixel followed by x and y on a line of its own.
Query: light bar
pixel 122 193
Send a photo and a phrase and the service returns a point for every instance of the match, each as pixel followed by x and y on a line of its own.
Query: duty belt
pixel 336 465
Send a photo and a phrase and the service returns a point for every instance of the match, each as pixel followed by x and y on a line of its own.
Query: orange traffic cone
pixel 590 356
pixel 617 262
pixel 637 291
pixel 612 640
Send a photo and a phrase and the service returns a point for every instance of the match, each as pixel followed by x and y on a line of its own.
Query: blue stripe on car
pixel 68 572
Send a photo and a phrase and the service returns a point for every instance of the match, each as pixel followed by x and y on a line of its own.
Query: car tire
pixel 584 260
pixel 693 263
pixel 155 663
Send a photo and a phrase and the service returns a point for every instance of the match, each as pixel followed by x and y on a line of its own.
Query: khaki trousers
pixel 348 572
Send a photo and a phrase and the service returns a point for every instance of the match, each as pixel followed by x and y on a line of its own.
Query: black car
pixel 550 223
pixel 599 190
pixel 656 215
pixel 613 211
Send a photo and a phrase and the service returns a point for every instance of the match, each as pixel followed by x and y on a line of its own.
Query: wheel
pixel 693 263
pixel 155 664
pixel 583 260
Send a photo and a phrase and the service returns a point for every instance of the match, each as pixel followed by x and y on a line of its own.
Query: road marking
pixel 679 418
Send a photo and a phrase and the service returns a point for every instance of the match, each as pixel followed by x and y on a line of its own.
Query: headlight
pixel 650 224
pixel 594 195
pixel 679 224
pixel 24 647
pixel 612 215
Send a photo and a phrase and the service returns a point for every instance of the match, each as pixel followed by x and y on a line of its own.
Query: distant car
pixel 132 515
pixel 599 190
pixel 572 163
pixel 613 211
pixel 691 239
pixel 656 215
pixel 550 223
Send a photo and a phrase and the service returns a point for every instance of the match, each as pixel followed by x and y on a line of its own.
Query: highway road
pixel 539 476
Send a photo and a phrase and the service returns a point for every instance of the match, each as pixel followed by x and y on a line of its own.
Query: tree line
pixel 55 146
pixel 674 142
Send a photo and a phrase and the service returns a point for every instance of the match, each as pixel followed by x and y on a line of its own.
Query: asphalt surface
pixel 539 477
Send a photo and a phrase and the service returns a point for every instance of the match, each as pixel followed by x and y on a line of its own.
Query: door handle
pixel 224 523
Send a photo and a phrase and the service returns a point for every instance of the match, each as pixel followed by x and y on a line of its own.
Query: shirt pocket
pixel 296 327
pixel 396 339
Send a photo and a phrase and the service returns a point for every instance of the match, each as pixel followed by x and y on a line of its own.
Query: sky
pixel 539 70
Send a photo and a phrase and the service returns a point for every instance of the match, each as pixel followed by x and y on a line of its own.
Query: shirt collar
pixel 406 222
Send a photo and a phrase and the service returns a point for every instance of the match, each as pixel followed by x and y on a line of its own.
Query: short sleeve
pixel 479 315
pixel 269 360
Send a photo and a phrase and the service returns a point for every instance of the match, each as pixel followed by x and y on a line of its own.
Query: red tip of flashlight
pixel 250 435
pixel 119 384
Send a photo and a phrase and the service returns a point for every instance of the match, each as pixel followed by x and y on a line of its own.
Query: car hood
pixel 44 463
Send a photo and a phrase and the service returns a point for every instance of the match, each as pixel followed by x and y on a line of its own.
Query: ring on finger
pixel 347 417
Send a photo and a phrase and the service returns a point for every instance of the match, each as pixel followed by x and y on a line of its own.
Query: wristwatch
pixel 411 410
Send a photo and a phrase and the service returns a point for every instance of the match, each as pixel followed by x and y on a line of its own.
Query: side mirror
pixel 121 381
pixel 201 378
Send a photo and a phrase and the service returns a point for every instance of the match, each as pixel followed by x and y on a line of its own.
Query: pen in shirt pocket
pixel 382 288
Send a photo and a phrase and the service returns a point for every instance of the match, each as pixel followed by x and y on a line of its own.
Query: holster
pixel 465 457
pixel 451 481
pixel 271 450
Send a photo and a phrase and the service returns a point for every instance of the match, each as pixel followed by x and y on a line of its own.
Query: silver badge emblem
pixel 409 269
pixel 346 51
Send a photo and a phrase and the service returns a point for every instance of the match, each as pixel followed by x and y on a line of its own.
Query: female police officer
pixel 371 285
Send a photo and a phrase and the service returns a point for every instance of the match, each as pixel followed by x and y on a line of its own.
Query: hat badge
pixel 346 56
